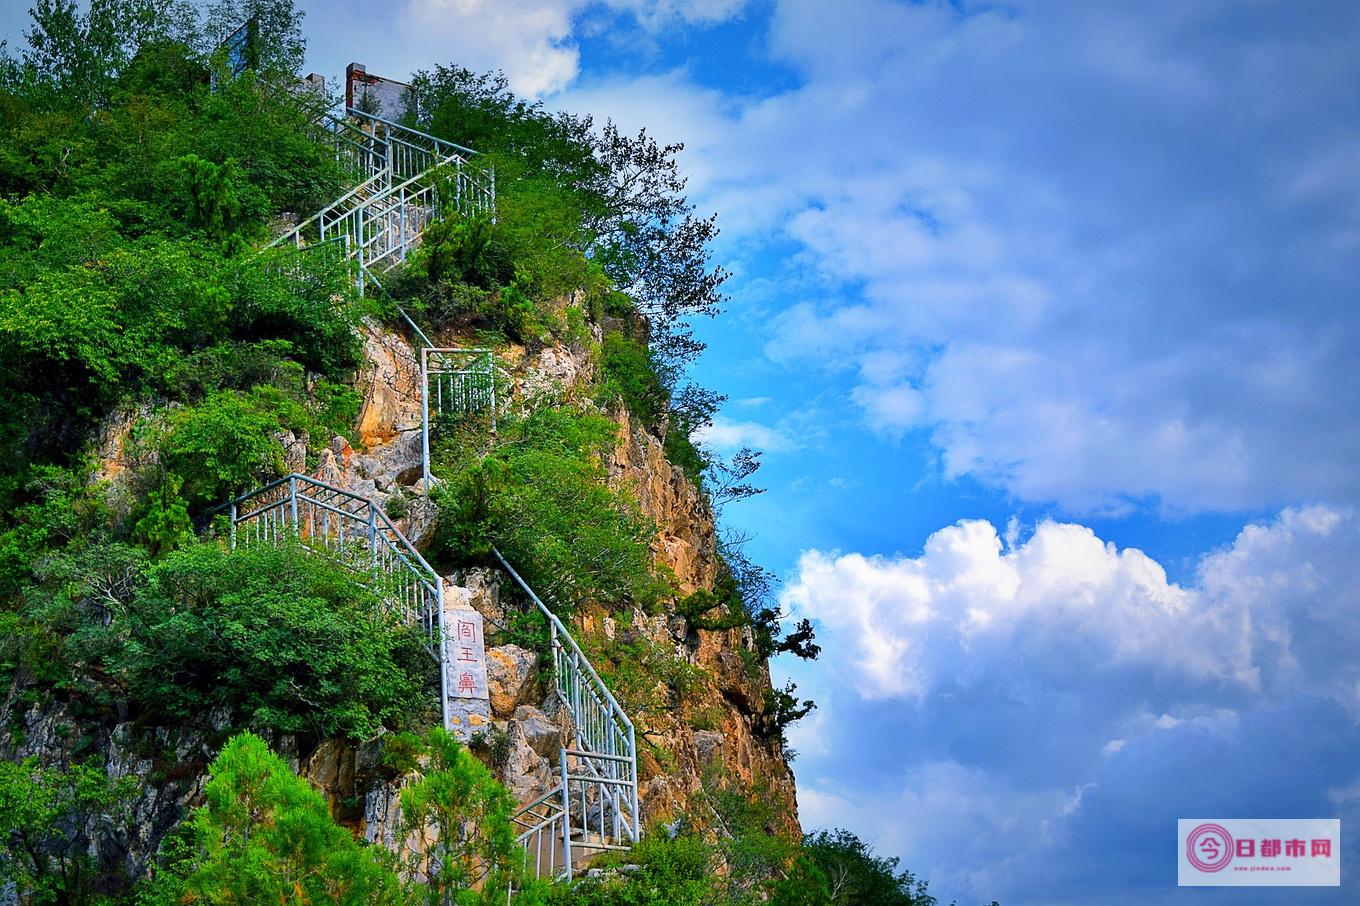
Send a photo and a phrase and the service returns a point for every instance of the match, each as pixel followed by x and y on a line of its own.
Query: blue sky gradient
pixel 1044 314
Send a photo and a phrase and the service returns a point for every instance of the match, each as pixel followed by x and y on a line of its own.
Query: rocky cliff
pixel 695 736
pixel 707 732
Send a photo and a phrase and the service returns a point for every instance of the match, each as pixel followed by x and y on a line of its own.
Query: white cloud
pixel 656 14
pixel 727 436
pixel 1077 302
pixel 1011 719
pixel 535 42
pixel 1271 612
pixel 529 39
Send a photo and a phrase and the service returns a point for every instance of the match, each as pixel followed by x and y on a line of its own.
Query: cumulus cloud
pixel 1008 715
pixel 529 39
pixel 1275 607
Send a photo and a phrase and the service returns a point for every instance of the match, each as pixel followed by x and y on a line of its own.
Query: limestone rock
pixel 527 774
pixel 390 383
pixel 539 731
pixel 511 678
pixel 708 744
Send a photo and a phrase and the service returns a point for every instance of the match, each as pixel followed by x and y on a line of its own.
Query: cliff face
pixel 711 733
pixel 696 737
pixel 707 732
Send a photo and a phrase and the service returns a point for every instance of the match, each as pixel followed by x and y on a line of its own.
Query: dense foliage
pixel 129 194
pixel 285 640
pixel 540 496
pixel 266 637
pixel 47 818
pixel 264 835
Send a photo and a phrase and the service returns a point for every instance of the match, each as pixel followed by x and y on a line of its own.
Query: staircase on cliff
pixel 409 180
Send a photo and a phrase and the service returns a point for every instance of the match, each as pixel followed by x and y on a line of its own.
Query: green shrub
pixel 279 638
pixel 466 815
pixel 541 496
pixel 49 507
pixel 460 249
pixel 648 678
pixel 631 376
pixel 780 709
pixel 671 872
pixel 164 523
pixel 231 441
pixel 862 877
pixel 223 446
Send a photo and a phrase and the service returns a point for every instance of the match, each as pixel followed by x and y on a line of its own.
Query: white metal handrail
pixel 453 382
pixel 605 751
pixel 406 172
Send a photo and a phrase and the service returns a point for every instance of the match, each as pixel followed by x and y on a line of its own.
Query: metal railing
pixel 598 790
pixel 355 532
pixel 410 178
pixel 453 382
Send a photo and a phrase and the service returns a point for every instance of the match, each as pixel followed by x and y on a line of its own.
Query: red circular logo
pixel 1209 847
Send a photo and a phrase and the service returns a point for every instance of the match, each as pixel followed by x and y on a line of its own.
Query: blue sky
pixel 1044 314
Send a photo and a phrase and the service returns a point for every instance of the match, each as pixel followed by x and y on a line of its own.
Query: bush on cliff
pixel 269 637
pixel 541 496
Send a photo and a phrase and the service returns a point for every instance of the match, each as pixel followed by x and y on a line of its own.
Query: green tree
pixel 804 885
pixel 47 819
pixel 264 835
pixel 618 199
pixel 679 871
pixel 213 196
pixel 79 53
pixel 463 814
pixel 164 525
pixel 853 875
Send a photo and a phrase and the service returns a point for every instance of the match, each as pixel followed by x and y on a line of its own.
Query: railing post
pixel 443 657
pixel 292 499
pixel 491 377
pixel 632 766
pixel 555 648
pixel 233 525
pixel 566 817
pixel 425 417
pixel 373 533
